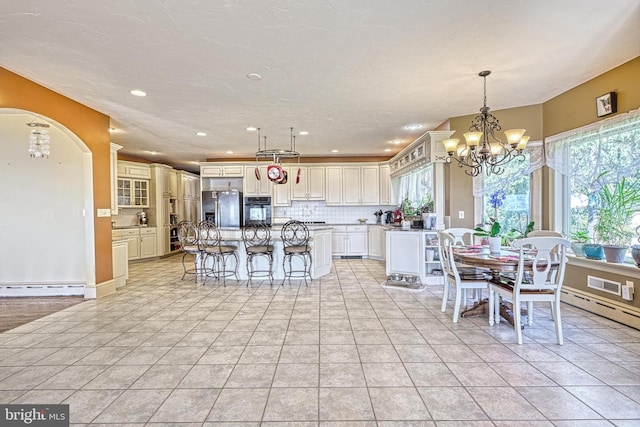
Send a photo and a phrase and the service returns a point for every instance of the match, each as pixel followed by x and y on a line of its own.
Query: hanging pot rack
pixel 277 154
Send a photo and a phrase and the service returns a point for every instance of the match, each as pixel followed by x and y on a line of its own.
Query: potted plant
pixel 578 239
pixel 493 234
pixel 618 203
pixel 635 249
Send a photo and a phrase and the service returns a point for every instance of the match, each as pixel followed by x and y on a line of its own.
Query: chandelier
pixel 483 149
pixel 276 154
pixel 39 140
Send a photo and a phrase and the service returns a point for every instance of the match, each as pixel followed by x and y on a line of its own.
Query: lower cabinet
pixel 141 242
pixel 321 252
pixel 407 254
pixel 349 240
pixel 377 242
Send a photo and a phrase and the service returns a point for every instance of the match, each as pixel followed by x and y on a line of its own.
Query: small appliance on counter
pixel 142 218
pixel 417 224
pixel 388 217
pixel 378 215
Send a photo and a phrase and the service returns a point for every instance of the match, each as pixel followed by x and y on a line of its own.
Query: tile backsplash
pixel 319 211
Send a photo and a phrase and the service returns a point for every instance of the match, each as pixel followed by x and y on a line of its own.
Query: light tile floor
pixel 341 352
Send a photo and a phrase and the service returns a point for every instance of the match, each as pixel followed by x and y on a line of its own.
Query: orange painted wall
pixel 91 127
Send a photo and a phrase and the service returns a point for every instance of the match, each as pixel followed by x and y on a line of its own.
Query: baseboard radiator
pixel 44 290
pixel 621 313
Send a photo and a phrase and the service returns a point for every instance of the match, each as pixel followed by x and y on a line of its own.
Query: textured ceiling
pixel 352 73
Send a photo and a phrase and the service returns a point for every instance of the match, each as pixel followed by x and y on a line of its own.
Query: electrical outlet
pixel 460 214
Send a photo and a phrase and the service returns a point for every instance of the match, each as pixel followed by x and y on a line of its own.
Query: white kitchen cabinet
pixel 113 176
pixel 349 240
pixel 218 171
pixel 282 192
pixel 148 242
pixel 333 187
pixel 387 191
pixel 133 170
pixel 173 184
pixel 311 185
pixel 133 193
pixel 377 244
pixel 360 185
pixel 141 242
pixel 119 262
pixel 254 186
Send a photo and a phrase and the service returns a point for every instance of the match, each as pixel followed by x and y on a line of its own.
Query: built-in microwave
pixel 257 210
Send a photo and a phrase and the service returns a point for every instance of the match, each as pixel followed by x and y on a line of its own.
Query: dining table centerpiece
pixel 494 231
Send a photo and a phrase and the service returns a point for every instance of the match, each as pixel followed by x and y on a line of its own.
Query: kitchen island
pixel 320 243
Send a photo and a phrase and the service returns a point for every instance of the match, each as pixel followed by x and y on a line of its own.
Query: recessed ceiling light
pixel 254 76
pixel 387 149
pixel 229 152
pixel 413 126
pixel 201 133
pixel 138 92
pixel 252 129
pixel 153 152
pixel 334 151
pixel 303 132
pixel 395 142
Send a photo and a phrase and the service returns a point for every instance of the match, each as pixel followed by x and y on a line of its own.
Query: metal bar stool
pixel 295 242
pixel 212 246
pixel 188 238
pixel 257 243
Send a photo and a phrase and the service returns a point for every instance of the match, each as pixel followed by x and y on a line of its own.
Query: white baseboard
pixel 48 290
pixel 625 314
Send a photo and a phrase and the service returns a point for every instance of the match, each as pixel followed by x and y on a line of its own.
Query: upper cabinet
pixel 333 187
pixel 387 191
pixel 220 171
pixel 282 192
pixel 256 182
pixel 360 185
pixel 113 175
pixel 310 186
pixel 132 187
pixel 133 170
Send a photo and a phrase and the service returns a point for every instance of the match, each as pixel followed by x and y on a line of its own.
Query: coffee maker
pixel 388 217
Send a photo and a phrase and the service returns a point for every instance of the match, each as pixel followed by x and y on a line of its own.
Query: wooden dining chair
pixel 539 282
pixel 454 279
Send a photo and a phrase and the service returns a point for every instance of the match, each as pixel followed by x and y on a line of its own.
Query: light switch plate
pixel 460 214
pixel 104 213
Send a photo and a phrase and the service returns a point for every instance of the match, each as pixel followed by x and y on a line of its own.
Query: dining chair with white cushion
pixel 453 278
pixel 539 282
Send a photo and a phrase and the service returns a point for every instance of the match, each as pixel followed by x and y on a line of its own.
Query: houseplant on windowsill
pixel 578 239
pixel 618 202
pixel 635 249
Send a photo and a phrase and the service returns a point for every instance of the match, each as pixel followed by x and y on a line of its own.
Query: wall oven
pixel 257 210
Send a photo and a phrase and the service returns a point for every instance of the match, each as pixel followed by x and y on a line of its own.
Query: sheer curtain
pixel 416 186
pixel 534 159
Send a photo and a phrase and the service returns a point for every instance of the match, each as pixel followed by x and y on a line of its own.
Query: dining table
pixel 499 266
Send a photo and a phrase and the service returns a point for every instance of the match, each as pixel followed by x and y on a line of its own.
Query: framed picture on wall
pixel 606 104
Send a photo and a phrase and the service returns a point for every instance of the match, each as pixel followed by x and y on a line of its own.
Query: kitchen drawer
pixel 149 230
pixel 125 232
pixel 357 228
pixel 339 228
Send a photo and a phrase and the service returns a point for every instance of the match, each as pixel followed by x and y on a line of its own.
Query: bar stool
pixel 257 243
pixel 212 246
pixel 189 244
pixel 295 242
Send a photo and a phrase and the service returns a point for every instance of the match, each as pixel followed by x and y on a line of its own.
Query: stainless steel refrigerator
pixel 223 208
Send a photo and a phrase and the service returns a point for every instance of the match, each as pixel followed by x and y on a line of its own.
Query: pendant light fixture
pixel 483 150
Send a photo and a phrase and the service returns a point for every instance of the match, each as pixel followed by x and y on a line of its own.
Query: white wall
pixel 42 227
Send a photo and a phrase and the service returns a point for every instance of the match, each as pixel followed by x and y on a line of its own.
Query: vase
pixel 635 253
pixel 576 247
pixel 494 244
pixel 615 254
pixel 593 251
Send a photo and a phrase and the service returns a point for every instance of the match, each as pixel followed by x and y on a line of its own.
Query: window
pixel 588 158
pixel 507 197
pixel 417 187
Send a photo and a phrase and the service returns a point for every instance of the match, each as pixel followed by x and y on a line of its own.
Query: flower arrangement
pixel 496 200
